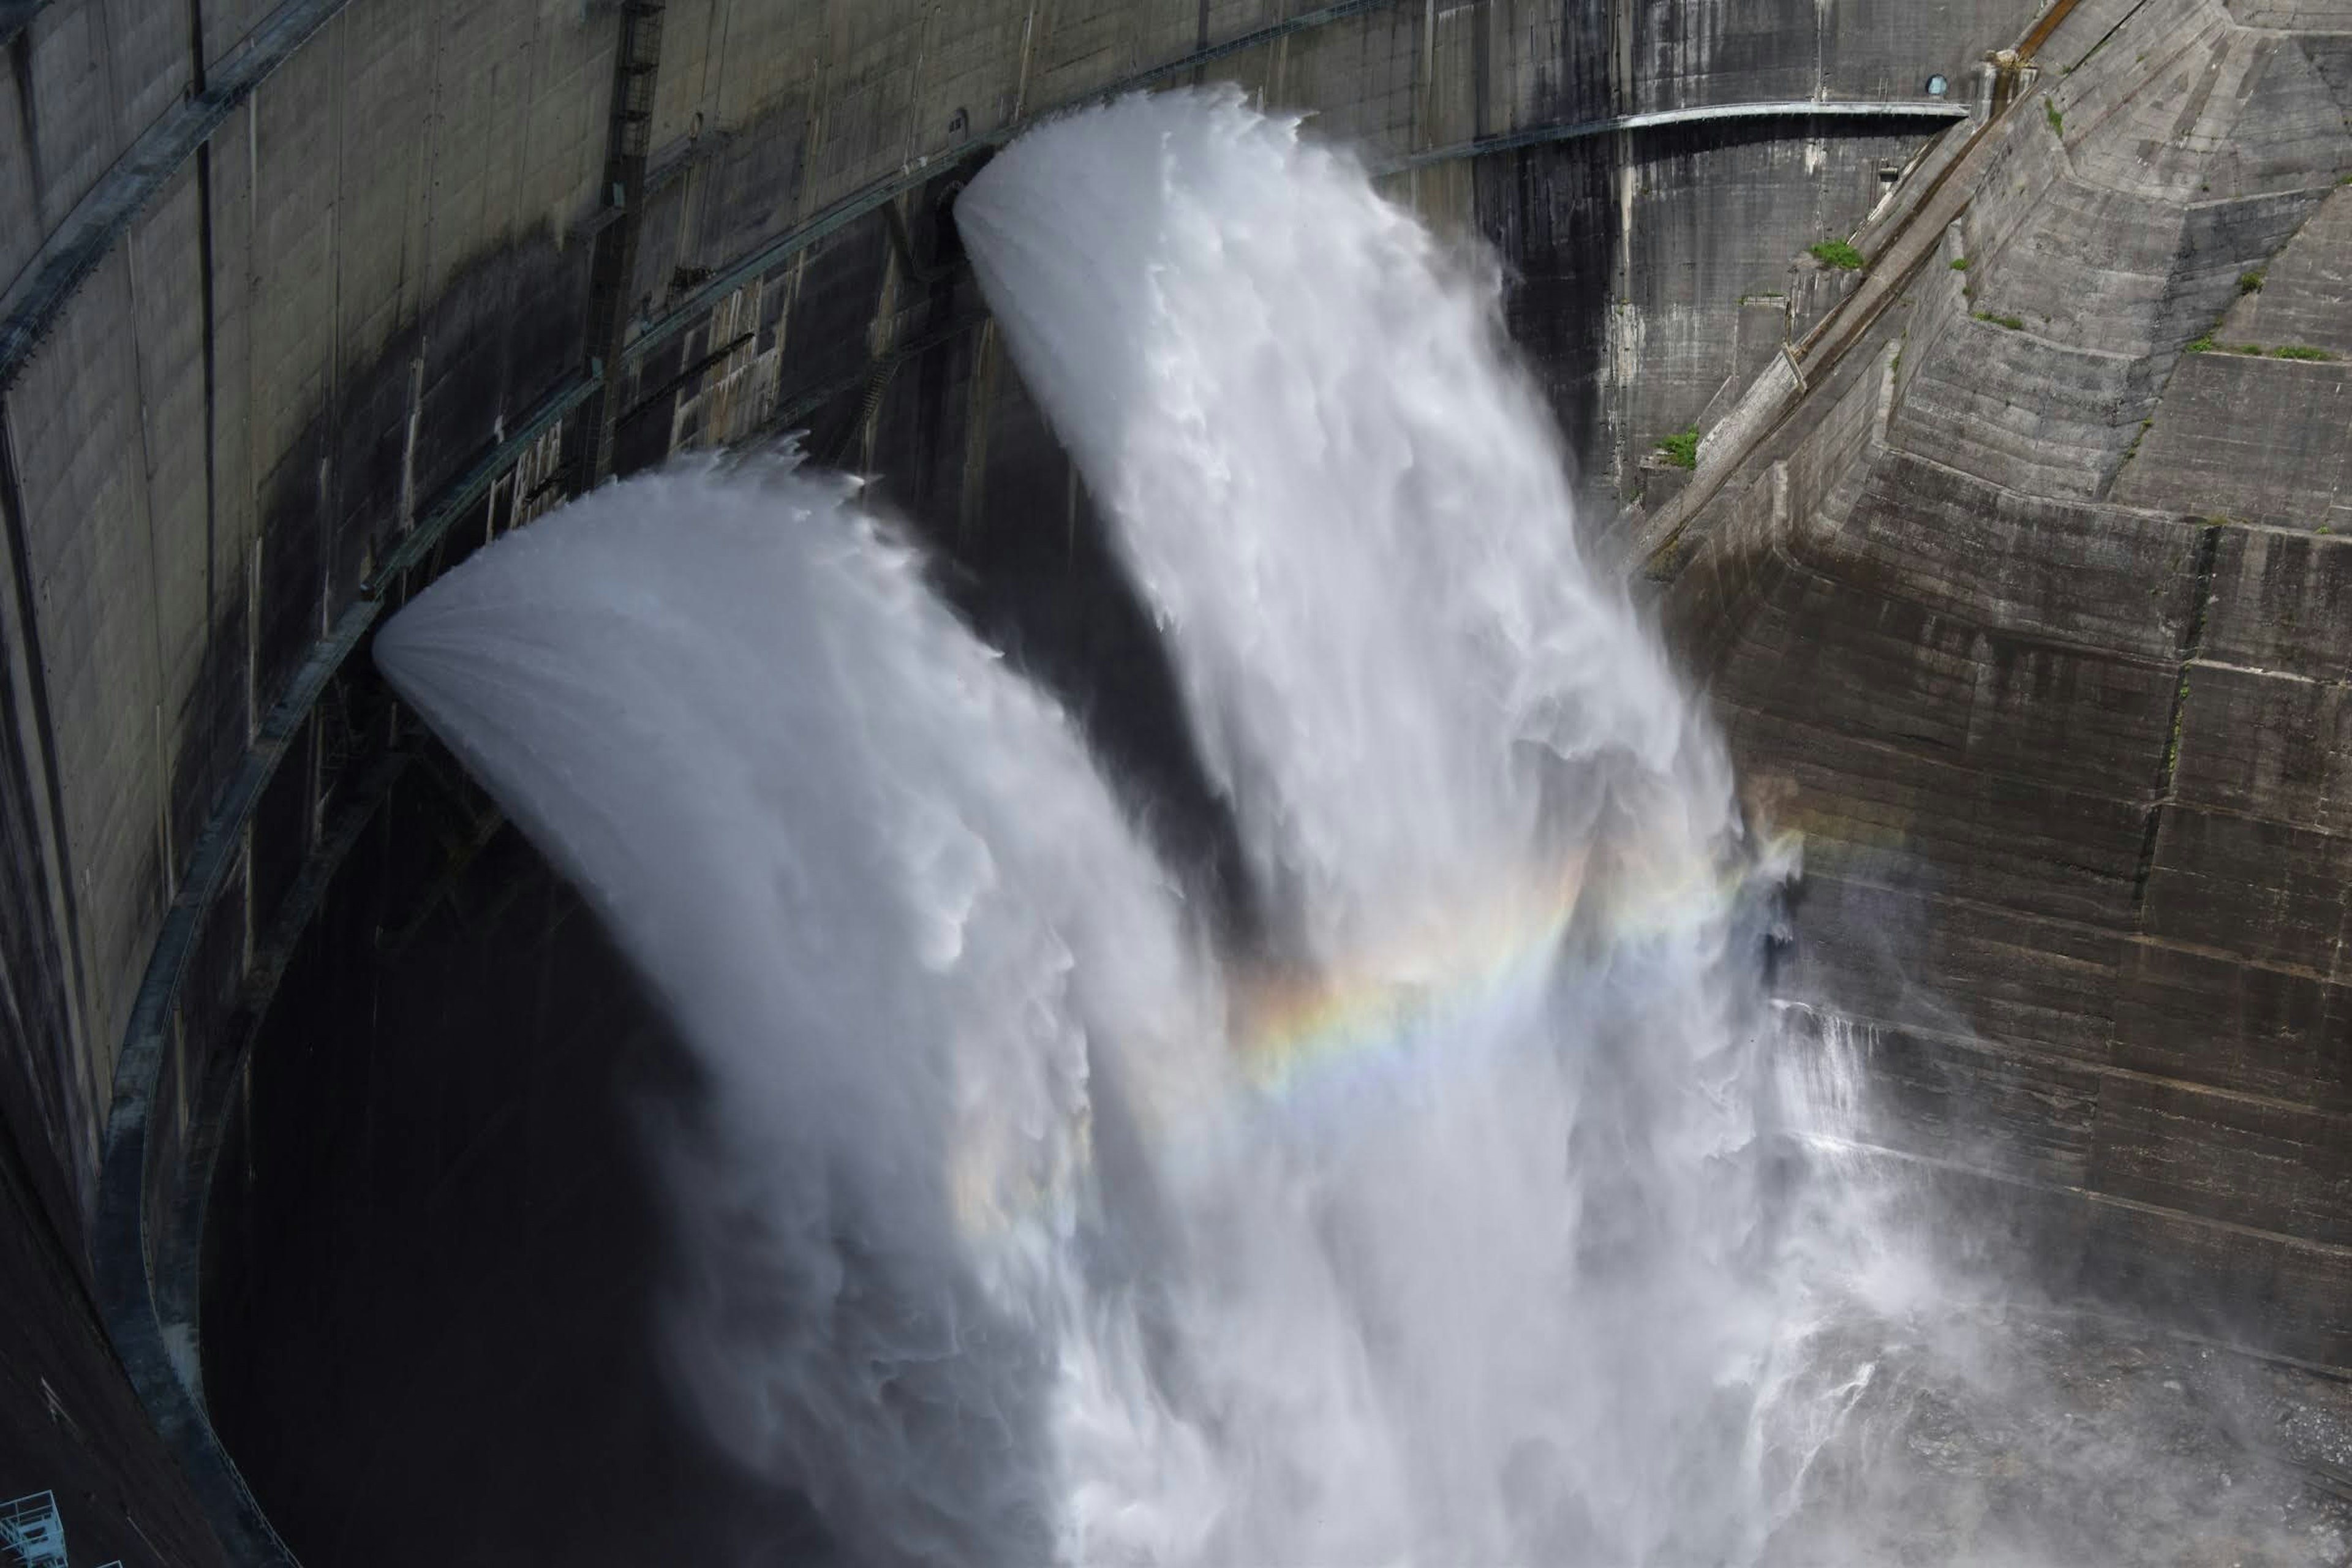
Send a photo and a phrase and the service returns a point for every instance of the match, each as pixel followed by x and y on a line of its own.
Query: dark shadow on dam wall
pixel 310 457
pixel 433 1250
pixel 438 1252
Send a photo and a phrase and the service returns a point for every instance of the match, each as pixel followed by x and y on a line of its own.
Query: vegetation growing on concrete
pixel 1959 264
pixel 2180 717
pixel 1836 253
pixel 2049 112
pixel 2014 323
pixel 2251 282
pixel 1681 448
pixel 2208 344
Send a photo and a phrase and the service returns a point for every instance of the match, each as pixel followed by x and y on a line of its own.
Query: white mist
pixel 1024 1225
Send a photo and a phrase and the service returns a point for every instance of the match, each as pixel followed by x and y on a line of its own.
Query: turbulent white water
pixel 1025 1223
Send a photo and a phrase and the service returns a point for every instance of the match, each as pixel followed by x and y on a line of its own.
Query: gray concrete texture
pixel 1960 605
pixel 374 269
pixel 2033 615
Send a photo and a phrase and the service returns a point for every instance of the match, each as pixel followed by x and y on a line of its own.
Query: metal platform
pixel 31 1533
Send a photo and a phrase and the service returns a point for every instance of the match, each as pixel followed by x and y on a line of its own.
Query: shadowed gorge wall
pixel 2037 631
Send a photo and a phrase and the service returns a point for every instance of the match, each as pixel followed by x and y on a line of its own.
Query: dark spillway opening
pixel 433 1250
pixel 436 1244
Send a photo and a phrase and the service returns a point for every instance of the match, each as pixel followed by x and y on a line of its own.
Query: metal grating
pixel 31 1533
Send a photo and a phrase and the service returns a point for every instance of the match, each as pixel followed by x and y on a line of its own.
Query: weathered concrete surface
pixel 376 264
pixel 2104 1446
pixel 2306 296
pixel 1949 607
pixel 2251 439
pixel 2035 622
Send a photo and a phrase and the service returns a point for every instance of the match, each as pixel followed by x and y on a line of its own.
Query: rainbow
pixel 1300 1035
pixel 1291 1030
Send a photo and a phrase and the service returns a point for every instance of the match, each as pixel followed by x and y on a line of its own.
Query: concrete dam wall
pixel 2030 628
pixel 2028 613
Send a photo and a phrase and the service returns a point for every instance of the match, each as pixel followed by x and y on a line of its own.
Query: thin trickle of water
pixel 1022 1223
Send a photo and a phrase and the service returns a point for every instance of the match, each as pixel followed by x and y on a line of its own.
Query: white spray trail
pixel 1350 511
pixel 1342 495
pixel 1023 1227
pixel 878 883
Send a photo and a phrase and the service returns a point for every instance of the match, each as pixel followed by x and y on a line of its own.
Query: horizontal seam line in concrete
pixel 1993 319
pixel 1978 770
pixel 1761 109
pixel 2332 366
pixel 1995 1046
pixel 2263 672
pixel 103 215
pixel 1972 770
pixel 2120 507
pixel 2094 1314
pixel 2257 196
pixel 2085 928
pixel 2094 1195
pixel 2164 660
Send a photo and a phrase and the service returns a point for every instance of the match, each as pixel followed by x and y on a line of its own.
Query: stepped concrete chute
pixel 2031 627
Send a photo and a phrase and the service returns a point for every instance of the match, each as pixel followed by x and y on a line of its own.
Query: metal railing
pixel 1902 109
pixel 31 1533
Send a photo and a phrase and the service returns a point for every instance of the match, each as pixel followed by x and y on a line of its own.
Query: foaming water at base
pixel 1482 1211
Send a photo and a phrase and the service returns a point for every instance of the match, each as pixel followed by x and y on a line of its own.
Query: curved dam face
pixel 2012 560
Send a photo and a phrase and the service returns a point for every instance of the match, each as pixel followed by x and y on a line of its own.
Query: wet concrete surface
pixel 2016 1438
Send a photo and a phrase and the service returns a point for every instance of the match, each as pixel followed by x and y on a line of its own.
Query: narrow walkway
pixel 1897 256
pixel 1763 108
